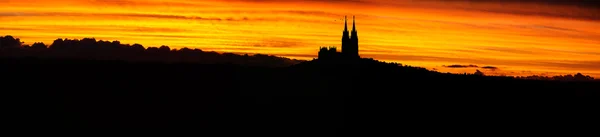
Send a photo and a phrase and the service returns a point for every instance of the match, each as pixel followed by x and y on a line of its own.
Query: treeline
pixel 90 48
pixel 569 77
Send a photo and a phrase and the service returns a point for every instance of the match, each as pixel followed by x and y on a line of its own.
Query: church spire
pixel 346 37
pixel 353 42
pixel 354 33
pixel 353 23
pixel 345 23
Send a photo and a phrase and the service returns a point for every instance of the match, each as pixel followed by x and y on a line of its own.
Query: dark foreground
pixel 310 99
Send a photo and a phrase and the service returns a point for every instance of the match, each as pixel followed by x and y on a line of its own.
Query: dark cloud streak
pixel 490 68
pixel 587 9
pixel 578 3
pixel 460 66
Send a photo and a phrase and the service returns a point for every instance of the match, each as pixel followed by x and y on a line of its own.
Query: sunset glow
pixel 515 38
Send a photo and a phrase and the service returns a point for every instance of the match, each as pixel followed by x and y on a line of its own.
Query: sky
pixel 498 37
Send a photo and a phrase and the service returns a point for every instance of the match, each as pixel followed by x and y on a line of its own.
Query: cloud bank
pixel 557 37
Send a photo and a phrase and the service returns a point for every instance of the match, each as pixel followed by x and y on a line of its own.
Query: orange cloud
pixel 537 37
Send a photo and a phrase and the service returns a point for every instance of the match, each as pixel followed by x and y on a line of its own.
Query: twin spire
pixel 353 24
pixel 346 23
pixel 350 42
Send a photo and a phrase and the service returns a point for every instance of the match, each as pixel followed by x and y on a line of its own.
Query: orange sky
pixel 517 38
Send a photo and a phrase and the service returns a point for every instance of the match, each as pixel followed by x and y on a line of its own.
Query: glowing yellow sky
pixel 518 38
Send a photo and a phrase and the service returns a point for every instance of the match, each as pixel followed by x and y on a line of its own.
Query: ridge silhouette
pixel 90 84
pixel 92 49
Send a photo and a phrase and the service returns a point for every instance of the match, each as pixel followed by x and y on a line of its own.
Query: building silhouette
pixel 349 44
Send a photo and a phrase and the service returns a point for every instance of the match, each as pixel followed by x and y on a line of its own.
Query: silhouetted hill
pixel 90 48
pixel 362 97
pixel 315 97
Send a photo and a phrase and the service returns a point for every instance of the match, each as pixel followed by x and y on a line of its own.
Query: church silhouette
pixel 349 45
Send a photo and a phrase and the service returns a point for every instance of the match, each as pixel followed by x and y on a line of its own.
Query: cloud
pixel 150 3
pixel 421 58
pixel 187 17
pixel 579 3
pixel 163 36
pixel 277 42
pixel 274 45
pixel 584 16
pixel 574 65
pixel 492 68
pixel 460 66
pixel 542 27
pixel 324 1
pixel 549 8
pixel 319 13
pixel 297 55
pixel 554 28
pixel 507 50
pixel 574 9
pixel 136 15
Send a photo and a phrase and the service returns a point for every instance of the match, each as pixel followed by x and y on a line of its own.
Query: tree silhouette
pixel 90 48
pixel 164 49
pixel 137 47
pixel 10 42
pixel 39 45
pixel 100 84
pixel 57 44
pixel 478 73
pixel 569 77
